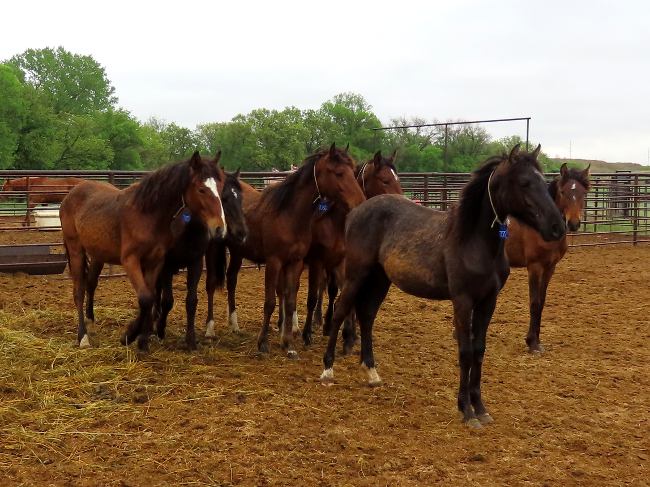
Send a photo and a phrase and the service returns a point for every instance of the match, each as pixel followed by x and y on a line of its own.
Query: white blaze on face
pixel 212 184
pixel 394 175
pixel 573 186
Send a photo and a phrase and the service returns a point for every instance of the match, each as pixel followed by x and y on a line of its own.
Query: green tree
pixel 13 110
pixel 74 83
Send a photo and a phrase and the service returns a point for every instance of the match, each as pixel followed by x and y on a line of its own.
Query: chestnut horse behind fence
pixel 135 227
pixel 40 190
pixel 456 255
pixel 526 248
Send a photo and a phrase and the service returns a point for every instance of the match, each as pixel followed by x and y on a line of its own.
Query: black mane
pixel 472 195
pixel 280 196
pixel 163 189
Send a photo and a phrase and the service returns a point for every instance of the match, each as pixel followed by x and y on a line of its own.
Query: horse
pixel 455 255
pixel 40 190
pixel 526 248
pixel 280 232
pixel 188 253
pixel 375 176
pixel 135 227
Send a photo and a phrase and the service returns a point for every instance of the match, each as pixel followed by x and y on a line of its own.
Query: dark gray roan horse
pixel 456 255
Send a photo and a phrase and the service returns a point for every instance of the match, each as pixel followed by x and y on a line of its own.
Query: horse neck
pixel 484 231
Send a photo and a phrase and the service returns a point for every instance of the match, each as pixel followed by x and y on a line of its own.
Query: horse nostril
pixel 557 230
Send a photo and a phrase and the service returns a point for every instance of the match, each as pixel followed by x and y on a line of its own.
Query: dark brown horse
pixel 376 176
pixel 135 227
pixel 280 231
pixel 526 247
pixel 40 190
pixel 457 255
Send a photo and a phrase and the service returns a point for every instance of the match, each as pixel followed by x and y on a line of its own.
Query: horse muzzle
pixel 217 229
pixel 572 225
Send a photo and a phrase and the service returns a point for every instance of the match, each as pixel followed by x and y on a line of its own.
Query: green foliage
pixel 58 111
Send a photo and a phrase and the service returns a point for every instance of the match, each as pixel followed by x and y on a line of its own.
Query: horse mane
pixel 472 196
pixel 576 174
pixel 279 196
pixel 357 168
pixel 164 187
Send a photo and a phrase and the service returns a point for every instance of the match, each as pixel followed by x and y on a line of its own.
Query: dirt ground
pixel 576 415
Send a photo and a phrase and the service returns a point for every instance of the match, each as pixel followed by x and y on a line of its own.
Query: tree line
pixel 58 110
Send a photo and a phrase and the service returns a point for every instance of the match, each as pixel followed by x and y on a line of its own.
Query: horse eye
pixel 202 190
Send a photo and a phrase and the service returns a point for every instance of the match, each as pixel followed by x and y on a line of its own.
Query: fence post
pixel 425 193
pixel 635 217
pixel 28 214
pixel 443 205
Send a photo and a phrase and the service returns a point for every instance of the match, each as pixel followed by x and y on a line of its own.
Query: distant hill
pixel 602 166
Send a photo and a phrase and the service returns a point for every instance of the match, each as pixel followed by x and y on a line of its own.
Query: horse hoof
pixel 327 377
pixel 536 349
pixel 85 342
pixel 485 418
pixel 373 377
pixel 347 349
pixel 292 354
pixel 473 423
pixel 209 329
pixel 263 347
pixel 191 346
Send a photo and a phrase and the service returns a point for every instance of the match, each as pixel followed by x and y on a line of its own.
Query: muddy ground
pixel 576 415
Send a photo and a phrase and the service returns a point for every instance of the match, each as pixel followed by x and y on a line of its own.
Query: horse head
pixel 518 188
pixel 231 199
pixel 571 189
pixel 201 196
pixel 334 176
pixel 379 176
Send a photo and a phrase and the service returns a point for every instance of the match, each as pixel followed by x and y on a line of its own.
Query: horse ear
pixel 347 147
pixel 514 153
pixel 333 149
pixel 195 161
pixel 585 171
pixel 564 170
pixel 537 151
pixel 393 156
pixel 217 158
pixel 237 172
pixel 377 158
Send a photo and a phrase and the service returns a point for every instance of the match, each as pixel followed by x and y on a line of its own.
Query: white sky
pixel 580 69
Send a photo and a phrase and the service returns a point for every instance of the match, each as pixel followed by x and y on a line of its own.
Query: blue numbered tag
pixel 503 231
pixel 186 215
pixel 323 206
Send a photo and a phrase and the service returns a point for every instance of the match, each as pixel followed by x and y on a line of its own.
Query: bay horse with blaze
pixel 456 255
pixel 134 227
pixel 526 248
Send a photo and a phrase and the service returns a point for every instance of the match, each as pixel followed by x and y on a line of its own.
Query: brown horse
pixel 40 190
pixel 280 232
pixel 526 247
pixel 457 255
pixel 135 227
pixel 376 176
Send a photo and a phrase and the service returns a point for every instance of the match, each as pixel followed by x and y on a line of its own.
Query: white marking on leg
pixel 327 375
pixel 232 319
pixel 294 323
pixel 85 342
pixel 212 184
pixel 209 329
pixel 373 376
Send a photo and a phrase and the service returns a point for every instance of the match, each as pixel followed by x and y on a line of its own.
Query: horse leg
pixel 78 272
pixel 94 270
pixel 343 307
pixel 291 284
pixel 535 272
pixel 315 280
pixel 150 274
pixel 164 300
pixel 349 334
pixel 194 270
pixel 133 268
pixel 231 283
pixel 271 274
pixel 318 310
pixel 536 322
pixel 481 317
pixel 463 307
pixel 367 303
pixel 332 291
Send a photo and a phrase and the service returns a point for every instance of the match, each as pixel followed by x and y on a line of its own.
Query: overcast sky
pixel 580 69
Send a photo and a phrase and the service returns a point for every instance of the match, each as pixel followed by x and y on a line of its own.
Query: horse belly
pixel 417 278
pixel 100 237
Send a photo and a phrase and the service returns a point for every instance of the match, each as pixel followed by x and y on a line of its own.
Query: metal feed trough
pixel 34 259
